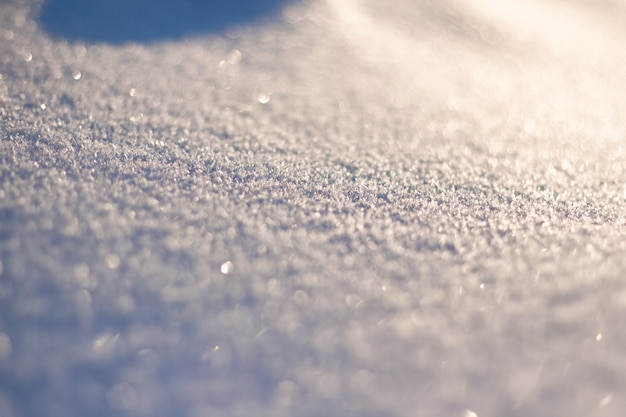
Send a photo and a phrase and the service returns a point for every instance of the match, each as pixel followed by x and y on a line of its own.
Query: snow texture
pixel 335 208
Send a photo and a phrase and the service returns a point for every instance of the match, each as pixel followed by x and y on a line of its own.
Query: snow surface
pixel 340 208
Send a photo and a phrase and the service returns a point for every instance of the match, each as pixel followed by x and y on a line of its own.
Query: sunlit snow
pixel 312 208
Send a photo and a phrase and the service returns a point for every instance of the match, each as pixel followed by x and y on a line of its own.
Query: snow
pixel 337 208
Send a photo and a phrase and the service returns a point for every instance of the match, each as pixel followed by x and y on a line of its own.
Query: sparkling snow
pixel 326 208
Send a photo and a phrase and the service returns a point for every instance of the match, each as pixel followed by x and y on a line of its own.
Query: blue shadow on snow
pixel 144 21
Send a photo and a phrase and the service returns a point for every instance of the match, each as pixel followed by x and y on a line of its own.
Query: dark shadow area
pixel 120 21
